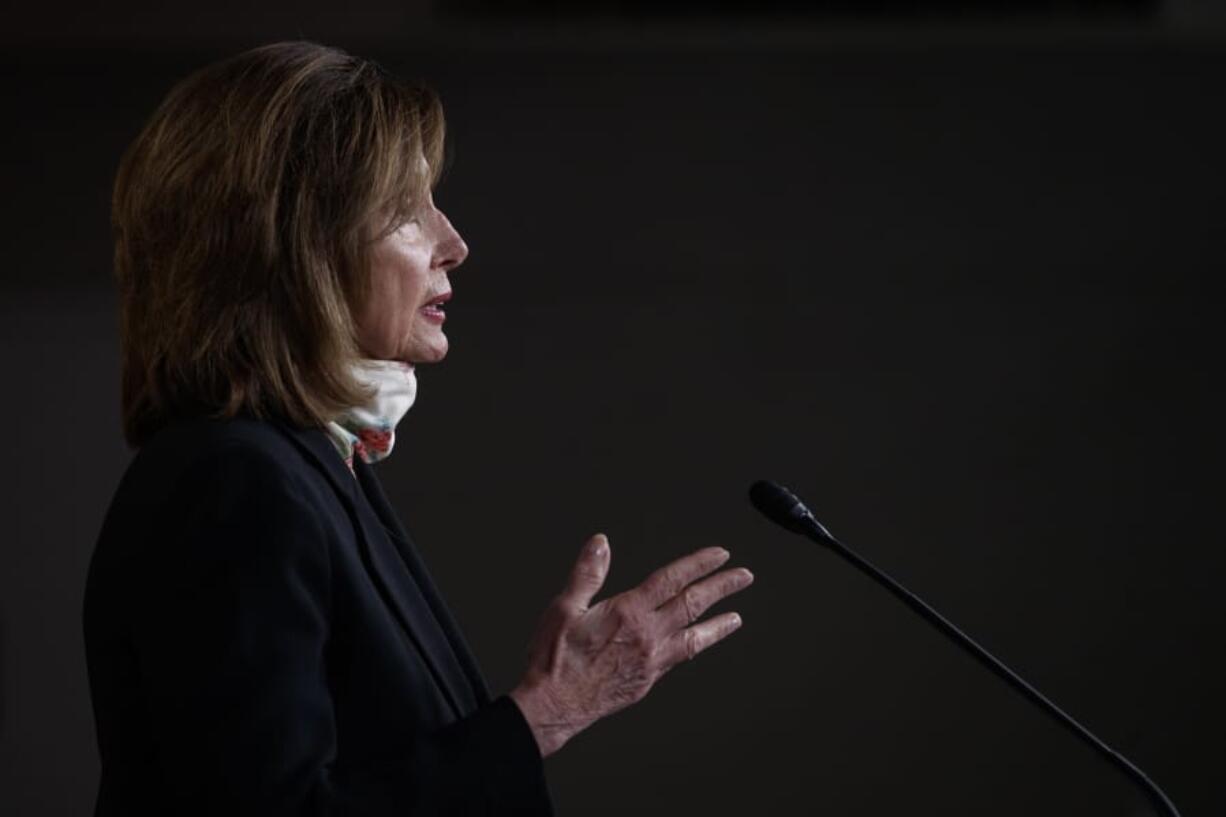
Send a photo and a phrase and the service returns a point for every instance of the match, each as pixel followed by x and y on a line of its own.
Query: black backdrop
pixel 955 286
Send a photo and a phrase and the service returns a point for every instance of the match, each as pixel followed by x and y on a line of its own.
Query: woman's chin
pixel 433 352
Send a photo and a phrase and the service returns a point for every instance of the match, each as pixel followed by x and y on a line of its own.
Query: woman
pixel 262 636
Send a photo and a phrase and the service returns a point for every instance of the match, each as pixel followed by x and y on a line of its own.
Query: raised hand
pixel 587 661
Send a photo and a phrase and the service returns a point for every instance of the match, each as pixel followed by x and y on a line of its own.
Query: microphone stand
pixel 800 520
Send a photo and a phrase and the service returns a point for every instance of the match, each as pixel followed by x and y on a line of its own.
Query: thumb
pixel 588 574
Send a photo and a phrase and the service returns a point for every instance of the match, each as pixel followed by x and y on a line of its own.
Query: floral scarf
pixel 369 430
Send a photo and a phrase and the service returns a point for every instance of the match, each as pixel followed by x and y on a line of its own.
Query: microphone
pixel 783 508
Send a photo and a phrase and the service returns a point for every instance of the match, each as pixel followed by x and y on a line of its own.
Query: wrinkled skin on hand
pixel 587 662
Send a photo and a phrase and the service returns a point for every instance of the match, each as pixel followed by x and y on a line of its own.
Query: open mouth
pixel 434 307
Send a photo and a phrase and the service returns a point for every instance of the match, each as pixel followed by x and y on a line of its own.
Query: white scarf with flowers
pixel 369 430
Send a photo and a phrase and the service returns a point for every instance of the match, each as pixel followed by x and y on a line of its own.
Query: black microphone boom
pixel 782 507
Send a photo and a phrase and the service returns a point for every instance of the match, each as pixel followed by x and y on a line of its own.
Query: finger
pixel 685 644
pixel 687 606
pixel 671 579
pixel 588 574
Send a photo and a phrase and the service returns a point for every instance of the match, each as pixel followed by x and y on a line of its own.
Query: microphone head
pixel 781 506
pixel 778 504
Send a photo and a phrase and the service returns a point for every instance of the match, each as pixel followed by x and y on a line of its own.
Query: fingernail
pixel 602 545
pixel 736 621
pixel 724 553
pixel 748 576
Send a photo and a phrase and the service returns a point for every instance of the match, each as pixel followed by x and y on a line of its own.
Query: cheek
pixel 382 322
pixel 401 285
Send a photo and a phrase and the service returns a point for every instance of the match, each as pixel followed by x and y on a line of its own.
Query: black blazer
pixel 262 638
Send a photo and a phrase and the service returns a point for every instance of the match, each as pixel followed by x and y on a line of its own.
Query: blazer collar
pixel 398 570
pixel 417 566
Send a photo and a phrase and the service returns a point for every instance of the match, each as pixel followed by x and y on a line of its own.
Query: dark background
pixel 950 275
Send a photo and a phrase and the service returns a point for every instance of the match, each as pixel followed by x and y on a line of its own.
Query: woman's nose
pixel 452 250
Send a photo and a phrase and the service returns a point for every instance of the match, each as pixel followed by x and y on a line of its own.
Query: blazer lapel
pixel 411 603
pixel 413 560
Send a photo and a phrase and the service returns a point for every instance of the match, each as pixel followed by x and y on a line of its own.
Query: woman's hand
pixel 588 662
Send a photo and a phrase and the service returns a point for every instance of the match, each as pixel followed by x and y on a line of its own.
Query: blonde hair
pixel 243 215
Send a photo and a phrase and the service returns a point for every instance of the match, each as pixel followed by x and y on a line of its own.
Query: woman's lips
pixel 433 310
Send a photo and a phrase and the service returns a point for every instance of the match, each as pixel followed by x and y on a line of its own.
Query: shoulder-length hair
pixel 243 215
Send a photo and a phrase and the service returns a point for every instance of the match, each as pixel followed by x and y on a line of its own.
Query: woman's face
pixel 404 318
